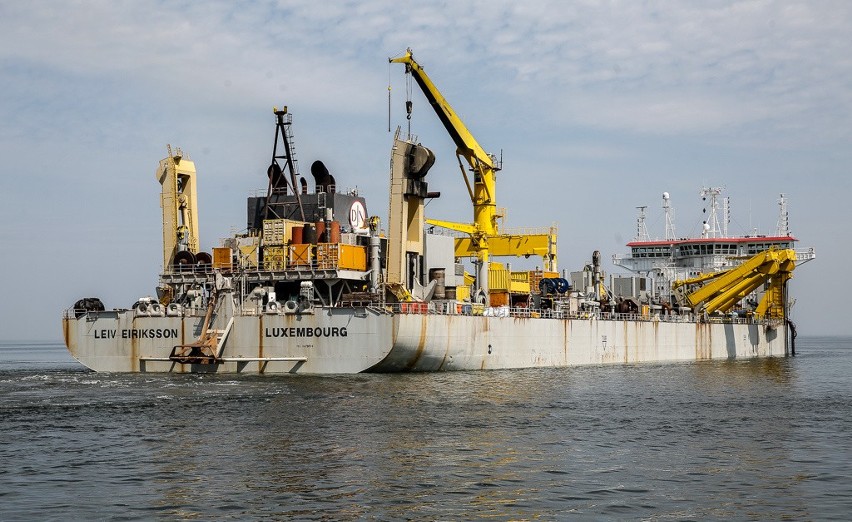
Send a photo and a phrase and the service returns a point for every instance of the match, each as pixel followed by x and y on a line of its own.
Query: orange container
pixel 301 255
pixel 338 256
pixel 222 258
pixel 499 298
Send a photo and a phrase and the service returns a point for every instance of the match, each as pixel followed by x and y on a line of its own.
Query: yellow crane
pixel 721 291
pixel 484 238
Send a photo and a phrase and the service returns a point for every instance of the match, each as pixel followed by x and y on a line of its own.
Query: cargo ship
pixel 317 284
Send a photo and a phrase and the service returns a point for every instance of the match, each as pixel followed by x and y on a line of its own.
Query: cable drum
pixel 554 285
pixel 547 286
pixel 86 305
pixel 203 261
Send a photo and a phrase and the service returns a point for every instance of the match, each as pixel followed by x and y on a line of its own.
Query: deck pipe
pixel 375 262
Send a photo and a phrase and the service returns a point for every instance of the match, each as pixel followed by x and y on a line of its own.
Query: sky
pixel 596 108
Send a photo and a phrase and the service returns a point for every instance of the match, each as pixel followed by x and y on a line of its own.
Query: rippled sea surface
pixel 763 439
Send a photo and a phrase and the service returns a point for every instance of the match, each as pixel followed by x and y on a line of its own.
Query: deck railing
pixel 469 309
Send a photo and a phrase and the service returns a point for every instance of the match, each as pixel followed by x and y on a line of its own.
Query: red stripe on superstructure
pixel 706 240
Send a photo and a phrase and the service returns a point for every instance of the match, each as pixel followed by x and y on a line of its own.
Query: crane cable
pixel 409 105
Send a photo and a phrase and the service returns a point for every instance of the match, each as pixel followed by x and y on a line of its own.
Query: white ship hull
pixel 353 340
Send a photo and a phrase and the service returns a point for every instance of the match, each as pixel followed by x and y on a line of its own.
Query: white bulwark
pixel 331 341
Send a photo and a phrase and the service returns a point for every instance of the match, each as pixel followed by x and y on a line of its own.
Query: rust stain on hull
pixel 421 344
pixel 66 333
pixel 261 367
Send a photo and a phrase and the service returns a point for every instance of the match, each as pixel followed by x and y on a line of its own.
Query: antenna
pixel 711 224
pixel 783 218
pixel 670 229
pixel 641 230
pixel 726 213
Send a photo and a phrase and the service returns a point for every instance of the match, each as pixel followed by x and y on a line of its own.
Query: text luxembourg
pixel 332 331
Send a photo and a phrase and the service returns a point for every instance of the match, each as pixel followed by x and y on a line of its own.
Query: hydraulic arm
pixel 723 290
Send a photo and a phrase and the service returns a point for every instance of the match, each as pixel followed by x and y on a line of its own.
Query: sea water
pixel 762 439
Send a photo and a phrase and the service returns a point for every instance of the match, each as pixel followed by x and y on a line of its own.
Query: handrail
pixel 471 309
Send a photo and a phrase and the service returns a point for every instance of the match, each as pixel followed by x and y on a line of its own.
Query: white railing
pixel 469 309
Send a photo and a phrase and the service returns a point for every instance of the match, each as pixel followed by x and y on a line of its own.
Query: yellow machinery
pixel 721 291
pixel 180 213
pixel 484 239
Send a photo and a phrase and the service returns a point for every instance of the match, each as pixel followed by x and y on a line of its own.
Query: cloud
pixel 681 67
pixel 599 106
pixel 663 67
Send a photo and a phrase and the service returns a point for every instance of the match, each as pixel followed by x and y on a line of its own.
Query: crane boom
pixel 464 140
pixel 485 239
pixel 482 164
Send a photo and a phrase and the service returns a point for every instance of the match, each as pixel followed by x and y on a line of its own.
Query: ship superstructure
pixel 664 261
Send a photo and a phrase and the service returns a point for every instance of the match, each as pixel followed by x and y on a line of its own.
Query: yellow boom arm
pixel 484 237
pixel 482 164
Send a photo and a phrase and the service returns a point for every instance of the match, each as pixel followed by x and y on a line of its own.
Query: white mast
pixel 783 218
pixel 670 229
pixel 711 224
pixel 641 229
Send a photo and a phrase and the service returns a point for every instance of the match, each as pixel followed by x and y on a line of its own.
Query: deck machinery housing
pixel 316 285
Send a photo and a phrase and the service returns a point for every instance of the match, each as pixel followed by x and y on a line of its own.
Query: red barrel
pixel 334 232
pixel 297 235
pixel 321 232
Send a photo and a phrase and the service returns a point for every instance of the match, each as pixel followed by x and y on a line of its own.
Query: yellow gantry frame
pixel 722 290
pixel 484 237
pixel 179 201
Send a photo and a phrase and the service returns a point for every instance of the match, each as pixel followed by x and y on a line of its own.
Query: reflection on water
pixel 761 439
